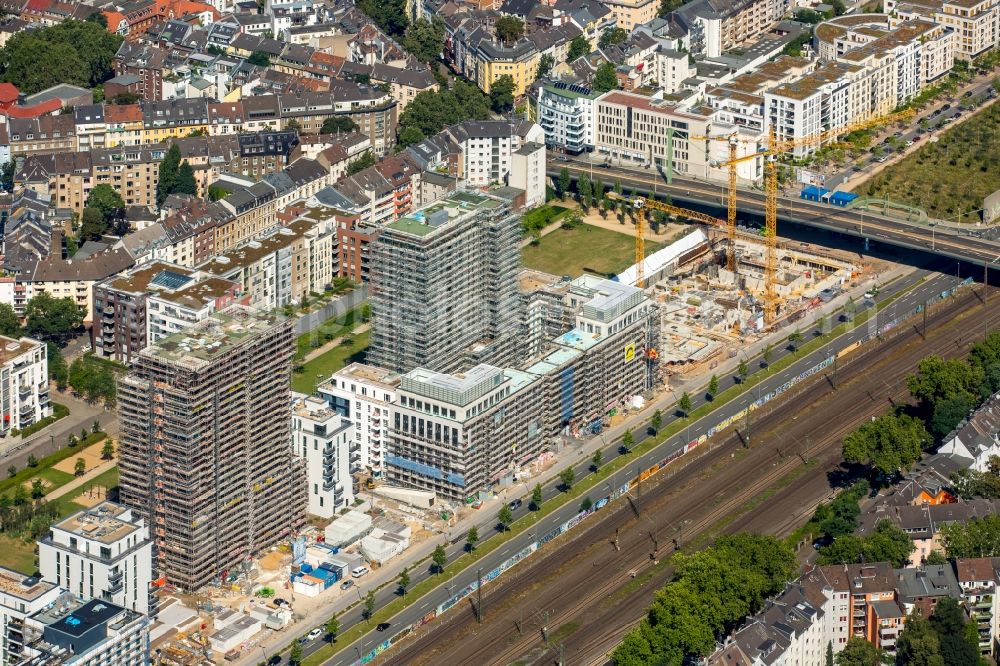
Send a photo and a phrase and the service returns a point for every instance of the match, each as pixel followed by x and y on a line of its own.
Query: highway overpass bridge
pixel 707 195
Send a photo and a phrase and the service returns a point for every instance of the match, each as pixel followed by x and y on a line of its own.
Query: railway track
pixel 576 580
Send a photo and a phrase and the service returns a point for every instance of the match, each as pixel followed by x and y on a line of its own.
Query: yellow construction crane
pixel 733 141
pixel 774 148
pixel 639 205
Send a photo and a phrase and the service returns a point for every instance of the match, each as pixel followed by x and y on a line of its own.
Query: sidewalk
pixel 485 518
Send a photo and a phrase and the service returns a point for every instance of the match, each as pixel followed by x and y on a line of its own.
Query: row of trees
pixel 50 320
pixel 947 391
pixel 712 591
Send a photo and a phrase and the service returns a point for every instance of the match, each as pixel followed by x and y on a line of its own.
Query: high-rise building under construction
pixel 205 444
pixel 445 288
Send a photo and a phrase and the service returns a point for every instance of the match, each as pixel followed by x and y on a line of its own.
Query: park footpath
pixel 329 346
pixel 485 518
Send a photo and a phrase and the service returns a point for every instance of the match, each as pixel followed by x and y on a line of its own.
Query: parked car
pixel 358 572
pixel 515 505
pixel 346 585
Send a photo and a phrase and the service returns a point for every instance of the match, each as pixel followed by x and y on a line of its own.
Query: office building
pixel 456 434
pixel 321 438
pixel 206 454
pixel 444 290
pixel 104 553
pixel 363 394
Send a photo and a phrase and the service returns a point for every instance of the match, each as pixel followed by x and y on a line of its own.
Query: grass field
pixel 328 330
pixel 583 249
pixel 320 368
pixel 950 177
pixel 18 554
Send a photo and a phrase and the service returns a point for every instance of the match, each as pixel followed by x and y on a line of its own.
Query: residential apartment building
pixel 565 113
pixel 24 383
pixel 715 26
pixel 88 633
pixel 21 595
pixel 832 95
pixel 170 311
pixel 45 134
pixel 322 440
pixel 103 553
pixel 237 490
pixel 363 395
pixel 145 62
pixel 976 23
pixel 281 268
pixel 424 317
pixel 631 13
pixel 977 578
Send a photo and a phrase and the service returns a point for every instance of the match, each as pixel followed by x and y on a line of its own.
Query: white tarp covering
pixel 668 255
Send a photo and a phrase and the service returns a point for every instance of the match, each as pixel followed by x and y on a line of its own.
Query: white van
pixel 359 572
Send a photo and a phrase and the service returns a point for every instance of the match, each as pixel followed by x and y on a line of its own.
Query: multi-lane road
pixel 931 286
pixel 712 195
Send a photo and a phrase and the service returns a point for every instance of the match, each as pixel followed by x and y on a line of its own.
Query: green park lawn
pixel 320 368
pixel 584 249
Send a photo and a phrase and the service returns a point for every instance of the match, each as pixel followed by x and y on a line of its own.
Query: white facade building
pixel 363 394
pixel 168 312
pixel 527 172
pixel 566 115
pixel 20 596
pixel 488 147
pixel 102 553
pixel 322 438
pixel 24 383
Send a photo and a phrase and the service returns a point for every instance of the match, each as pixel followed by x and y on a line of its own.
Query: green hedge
pixel 58 411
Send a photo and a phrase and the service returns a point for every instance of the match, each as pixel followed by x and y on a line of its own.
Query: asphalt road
pixel 921 293
pixel 712 195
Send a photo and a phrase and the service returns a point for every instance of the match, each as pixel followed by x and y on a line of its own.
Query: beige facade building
pixel 975 22
pixel 630 13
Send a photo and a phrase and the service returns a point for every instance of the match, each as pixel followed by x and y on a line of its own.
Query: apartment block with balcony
pixel 24 383
pixel 206 456
pixel 566 114
pixel 21 595
pixel 323 441
pixel 976 23
pixel 978 579
pixel 363 394
pixel 103 553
